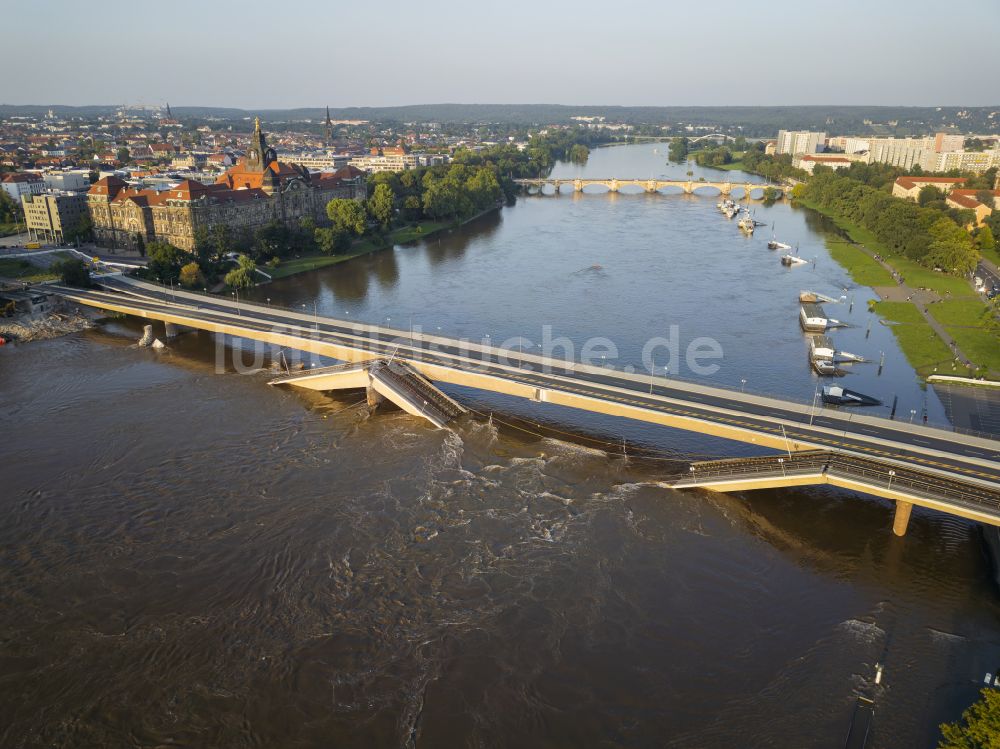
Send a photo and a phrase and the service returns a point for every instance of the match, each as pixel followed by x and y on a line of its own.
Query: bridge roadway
pixel 763 421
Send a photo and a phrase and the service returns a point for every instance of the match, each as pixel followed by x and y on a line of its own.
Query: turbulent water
pixel 192 558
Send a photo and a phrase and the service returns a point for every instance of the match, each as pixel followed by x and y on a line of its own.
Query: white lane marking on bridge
pixel 342 338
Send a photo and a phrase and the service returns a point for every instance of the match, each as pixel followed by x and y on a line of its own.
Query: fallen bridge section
pixel 388 379
pixel 905 486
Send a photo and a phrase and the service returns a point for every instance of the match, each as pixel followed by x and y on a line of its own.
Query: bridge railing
pixel 306 314
pixel 873 473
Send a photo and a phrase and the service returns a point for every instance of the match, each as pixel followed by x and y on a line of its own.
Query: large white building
pixel 317 161
pixel 967 161
pixel 394 162
pixel 17 184
pixel 800 141
pixel 67 180
pixel 940 153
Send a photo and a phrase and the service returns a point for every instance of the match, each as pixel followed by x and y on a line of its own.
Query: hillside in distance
pixel 755 121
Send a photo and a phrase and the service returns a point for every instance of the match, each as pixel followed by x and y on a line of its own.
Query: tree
pixel 380 205
pixel 241 277
pixel 191 276
pixel 985 197
pixel 84 229
pixel 412 207
pixel 951 248
pixel 928 194
pixel 165 261
pixel 579 153
pixel 73 272
pixel 123 155
pixel 332 240
pixel 271 240
pixel 678 149
pixel 8 209
pixel 347 215
pixel 984 239
pixel 979 727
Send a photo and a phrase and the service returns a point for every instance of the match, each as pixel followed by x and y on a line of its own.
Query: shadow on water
pixel 451 245
pixel 347 281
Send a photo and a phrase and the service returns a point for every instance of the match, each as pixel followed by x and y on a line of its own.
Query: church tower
pixel 329 129
pixel 258 153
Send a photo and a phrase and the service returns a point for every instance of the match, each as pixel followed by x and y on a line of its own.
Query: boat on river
pixel 774 244
pixel 746 223
pixel 814 297
pixel 791 260
pixel 728 207
pixel 838 396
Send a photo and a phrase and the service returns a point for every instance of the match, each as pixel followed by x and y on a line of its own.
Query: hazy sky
pixel 252 54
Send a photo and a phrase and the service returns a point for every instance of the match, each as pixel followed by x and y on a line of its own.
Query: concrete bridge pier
pixel 170 330
pixel 726 189
pixel 901 518
pixel 613 186
pixel 374 398
pixel 651 186
pixel 578 185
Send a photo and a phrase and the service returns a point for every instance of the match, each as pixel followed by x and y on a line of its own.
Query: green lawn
pixel 969 311
pixel 925 350
pixel 732 166
pixel 401 235
pixel 917 276
pixel 863 268
pixel 303 264
pixel 22 270
pixel 980 345
pixel 902 312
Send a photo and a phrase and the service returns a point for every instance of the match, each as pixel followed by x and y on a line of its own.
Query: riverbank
pixel 53 325
pixel 944 328
pixel 402 235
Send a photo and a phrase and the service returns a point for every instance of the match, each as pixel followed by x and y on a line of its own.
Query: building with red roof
pixel 257 190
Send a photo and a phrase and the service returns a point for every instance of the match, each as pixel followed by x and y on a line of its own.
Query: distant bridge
pixel 688 186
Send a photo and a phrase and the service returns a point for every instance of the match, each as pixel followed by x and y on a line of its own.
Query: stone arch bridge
pixel 689 187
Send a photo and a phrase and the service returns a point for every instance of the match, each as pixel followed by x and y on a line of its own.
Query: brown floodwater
pixel 190 558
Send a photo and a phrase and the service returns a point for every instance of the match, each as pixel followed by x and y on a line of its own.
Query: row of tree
pixel 926 235
pixel 475 181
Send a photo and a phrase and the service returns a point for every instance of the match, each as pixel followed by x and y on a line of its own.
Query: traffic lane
pixel 765 425
pixel 722 400
pixel 492 362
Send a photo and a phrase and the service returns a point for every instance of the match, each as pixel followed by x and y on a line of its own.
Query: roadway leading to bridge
pixel 779 423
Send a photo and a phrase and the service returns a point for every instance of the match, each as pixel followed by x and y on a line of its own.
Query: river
pixel 192 558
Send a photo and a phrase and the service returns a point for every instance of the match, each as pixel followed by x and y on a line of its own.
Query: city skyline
pixel 784 55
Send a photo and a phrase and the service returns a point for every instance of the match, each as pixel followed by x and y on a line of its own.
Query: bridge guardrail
pixel 820 409
pixel 873 473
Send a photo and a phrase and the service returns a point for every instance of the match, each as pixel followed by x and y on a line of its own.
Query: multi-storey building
pixel 259 189
pixel 389 159
pixel 967 161
pixel 799 141
pixel 53 216
pixel 17 184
